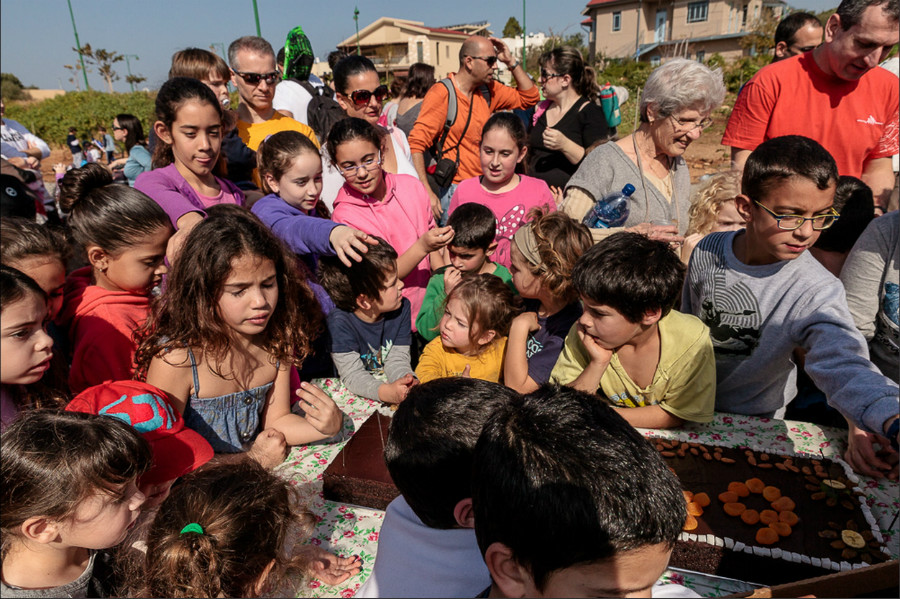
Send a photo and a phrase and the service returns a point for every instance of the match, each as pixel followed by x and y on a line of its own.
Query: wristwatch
pixel 513 66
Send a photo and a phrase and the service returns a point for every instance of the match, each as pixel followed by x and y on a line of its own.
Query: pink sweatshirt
pixel 403 216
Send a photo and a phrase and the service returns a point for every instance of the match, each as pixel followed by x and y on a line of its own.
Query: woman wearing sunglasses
pixel 360 93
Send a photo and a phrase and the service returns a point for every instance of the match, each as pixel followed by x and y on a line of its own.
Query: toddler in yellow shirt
pixel 473 331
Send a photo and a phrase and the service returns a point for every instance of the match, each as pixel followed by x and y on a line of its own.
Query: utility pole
pixel 256 16
pixel 356 19
pixel 128 64
pixel 523 34
pixel 637 32
pixel 78 46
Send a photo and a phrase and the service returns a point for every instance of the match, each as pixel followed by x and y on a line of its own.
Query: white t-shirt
pixel 290 96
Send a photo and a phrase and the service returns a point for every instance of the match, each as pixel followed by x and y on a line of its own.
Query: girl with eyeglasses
pixel 360 93
pixel 128 130
pixel 392 206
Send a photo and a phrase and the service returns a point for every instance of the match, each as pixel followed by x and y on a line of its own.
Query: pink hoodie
pixel 100 325
pixel 403 217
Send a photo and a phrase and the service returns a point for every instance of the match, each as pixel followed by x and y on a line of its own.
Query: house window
pixel 697 11
pixel 617 21
pixel 420 51
pixel 701 55
pixel 744 17
pixel 655 61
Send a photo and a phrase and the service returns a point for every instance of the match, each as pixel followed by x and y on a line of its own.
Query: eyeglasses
pixel 118 128
pixel 792 222
pixel 545 75
pixel 691 125
pixel 255 78
pixel 361 97
pixel 490 60
pixel 353 170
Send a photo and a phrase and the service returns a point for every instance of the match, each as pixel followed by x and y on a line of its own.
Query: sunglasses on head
pixel 361 97
pixel 255 78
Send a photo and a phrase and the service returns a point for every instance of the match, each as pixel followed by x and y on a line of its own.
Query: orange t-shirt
pixel 856 121
pixel 430 124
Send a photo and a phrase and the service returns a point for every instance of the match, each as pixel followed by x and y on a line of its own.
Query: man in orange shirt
pixel 477 63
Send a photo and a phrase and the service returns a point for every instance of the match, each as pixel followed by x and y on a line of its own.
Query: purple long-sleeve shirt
pixel 175 195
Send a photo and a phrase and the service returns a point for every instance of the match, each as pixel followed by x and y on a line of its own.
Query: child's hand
pixel 269 448
pixel 452 277
pixel 690 242
pixel 59 168
pixel 863 458
pixel 593 349
pixel 526 321
pixel 327 567
pixel 558 194
pixel 467 371
pixel 320 410
pixel 435 239
pixel 396 392
pixel 350 243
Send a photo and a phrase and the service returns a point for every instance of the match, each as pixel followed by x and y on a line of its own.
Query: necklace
pixel 667 180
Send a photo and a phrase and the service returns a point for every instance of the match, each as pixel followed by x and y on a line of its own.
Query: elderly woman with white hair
pixel 675 108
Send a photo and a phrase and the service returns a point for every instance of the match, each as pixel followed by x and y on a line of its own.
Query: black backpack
pixel 323 111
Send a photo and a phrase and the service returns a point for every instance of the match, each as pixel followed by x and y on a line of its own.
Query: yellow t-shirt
pixel 684 383
pixel 253 134
pixel 437 362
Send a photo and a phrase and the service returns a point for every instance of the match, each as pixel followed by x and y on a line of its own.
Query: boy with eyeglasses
pixel 762 295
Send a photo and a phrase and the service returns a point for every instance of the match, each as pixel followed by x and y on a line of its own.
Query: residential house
pixel 653 30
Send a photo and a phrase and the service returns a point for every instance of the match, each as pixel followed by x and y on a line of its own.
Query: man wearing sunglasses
pixel 252 62
pixel 474 84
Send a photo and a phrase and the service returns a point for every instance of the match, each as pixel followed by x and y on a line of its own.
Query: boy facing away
pixel 470 252
pixel 427 545
pixel 629 345
pixel 571 501
pixel 762 295
pixel 370 325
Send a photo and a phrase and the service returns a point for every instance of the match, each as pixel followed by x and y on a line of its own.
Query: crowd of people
pixel 430 254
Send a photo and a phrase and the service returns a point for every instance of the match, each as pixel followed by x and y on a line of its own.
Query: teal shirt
pixel 433 304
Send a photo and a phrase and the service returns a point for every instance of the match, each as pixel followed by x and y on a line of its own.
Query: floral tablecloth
pixel 351 530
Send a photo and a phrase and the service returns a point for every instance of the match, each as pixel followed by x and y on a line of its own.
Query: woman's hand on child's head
pixel 667 233
pixel 593 349
pixel 269 448
pixel 327 567
pixel 527 321
pixel 435 239
pixel 350 243
pixel 452 277
pixel 320 410
pixel 863 458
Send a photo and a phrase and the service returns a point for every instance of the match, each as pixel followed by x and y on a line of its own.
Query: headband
pixel 527 243
pixel 192 527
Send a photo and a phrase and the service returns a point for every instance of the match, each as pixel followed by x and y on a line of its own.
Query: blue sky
pixel 36 37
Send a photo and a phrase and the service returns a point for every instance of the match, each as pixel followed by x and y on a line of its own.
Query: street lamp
pixel 128 65
pixel 78 44
pixel 356 18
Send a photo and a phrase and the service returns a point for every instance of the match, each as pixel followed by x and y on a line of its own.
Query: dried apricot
pixel 688 496
pixel 766 536
pixel 755 485
pixel 690 523
pixel 769 516
pixel 789 518
pixel 784 504
pixel 701 499
pixel 728 497
pixel 782 528
pixel 771 493
pixel 693 509
pixel 734 509
pixel 739 488
pixel 750 517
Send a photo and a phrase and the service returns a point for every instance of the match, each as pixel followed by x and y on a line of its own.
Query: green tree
pixel 762 33
pixel 103 60
pixel 11 88
pixel 512 28
pixel 135 79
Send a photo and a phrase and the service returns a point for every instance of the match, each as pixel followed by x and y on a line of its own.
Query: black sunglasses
pixel 490 60
pixel 361 97
pixel 255 78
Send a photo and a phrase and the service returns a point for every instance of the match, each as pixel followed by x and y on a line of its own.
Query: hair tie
pixel 192 527
pixel 526 242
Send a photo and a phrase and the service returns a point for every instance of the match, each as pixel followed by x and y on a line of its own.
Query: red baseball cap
pixel 177 449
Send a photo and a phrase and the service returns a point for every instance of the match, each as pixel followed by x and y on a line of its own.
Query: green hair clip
pixel 192 527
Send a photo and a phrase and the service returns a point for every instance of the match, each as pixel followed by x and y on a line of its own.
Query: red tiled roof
pixel 587 21
pixel 599 2
pixel 447 31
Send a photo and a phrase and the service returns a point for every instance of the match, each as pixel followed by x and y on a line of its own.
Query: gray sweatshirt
pixel 757 315
pixel 871 277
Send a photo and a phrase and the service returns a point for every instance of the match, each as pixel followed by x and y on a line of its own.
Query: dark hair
pixel 569 61
pixel 475 226
pixel 397 86
pixel 15 285
pixel 854 202
pixel 275 155
pixel 432 440
pixel 334 57
pixel 366 277
pixel 490 303
pixel 509 122
pixel 349 66
pixel 107 214
pixel 561 479
pixel 198 63
pixel 187 314
pixel 134 131
pixel 54 460
pixel 775 161
pixel 349 129
pixel 246 514
pixel 21 239
pixel 420 78
pixel 630 273
pixel 174 94
pixel 561 241
pixel 791 24
pixel 851 11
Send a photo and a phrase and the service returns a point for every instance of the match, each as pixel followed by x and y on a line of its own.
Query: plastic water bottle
pixel 611 211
